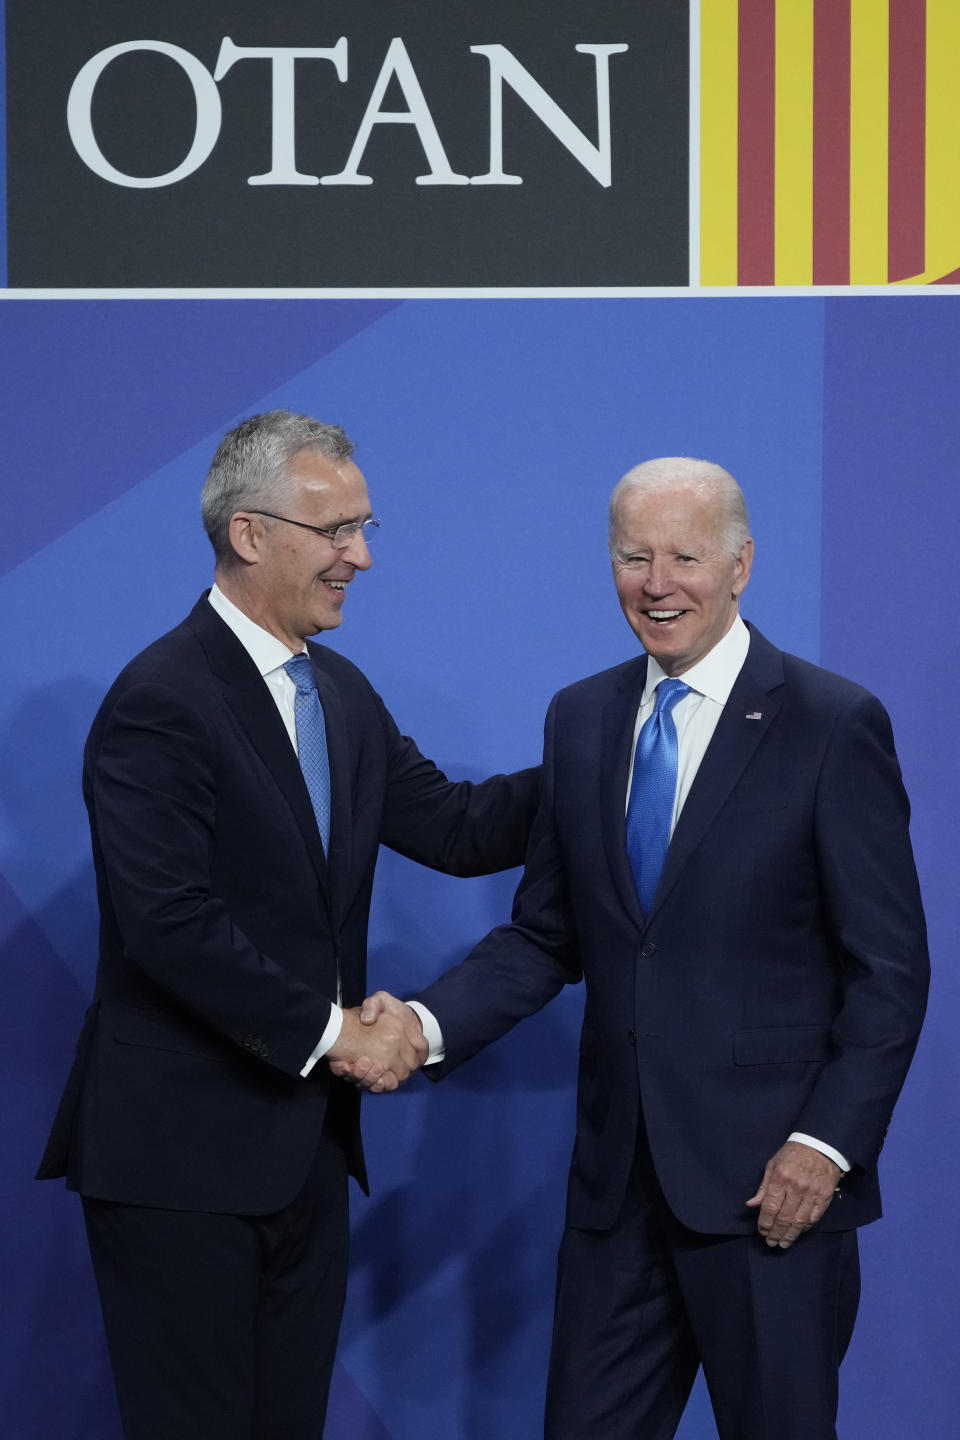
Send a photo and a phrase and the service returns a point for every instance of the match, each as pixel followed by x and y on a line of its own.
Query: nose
pixel 357 553
pixel 659 578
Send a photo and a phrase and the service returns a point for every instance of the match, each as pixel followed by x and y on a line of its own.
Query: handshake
pixel 380 1044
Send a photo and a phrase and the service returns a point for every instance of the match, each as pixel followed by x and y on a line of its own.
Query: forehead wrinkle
pixel 685 534
pixel 699 546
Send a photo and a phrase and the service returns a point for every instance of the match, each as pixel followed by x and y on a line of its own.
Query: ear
pixel 246 536
pixel 741 568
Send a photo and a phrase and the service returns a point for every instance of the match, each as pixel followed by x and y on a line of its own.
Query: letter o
pixel 80 116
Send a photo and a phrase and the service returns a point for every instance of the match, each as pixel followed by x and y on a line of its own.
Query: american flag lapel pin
pixel 754 714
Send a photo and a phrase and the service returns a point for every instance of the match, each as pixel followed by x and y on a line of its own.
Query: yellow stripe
pixel 793 186
pixel 718 142
pixel 943 138
pixel 869 82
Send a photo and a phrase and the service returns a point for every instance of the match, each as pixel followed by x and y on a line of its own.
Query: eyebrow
pixel 346 520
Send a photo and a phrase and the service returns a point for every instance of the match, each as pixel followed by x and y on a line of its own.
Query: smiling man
pixel 239 781
pixel 722 853
pixel 681 558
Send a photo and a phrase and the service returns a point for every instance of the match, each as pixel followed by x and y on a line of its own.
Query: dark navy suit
pixel 223 929
pixel 778 983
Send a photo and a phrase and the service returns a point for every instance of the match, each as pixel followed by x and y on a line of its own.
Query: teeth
pixel 664 614
pixel 337 584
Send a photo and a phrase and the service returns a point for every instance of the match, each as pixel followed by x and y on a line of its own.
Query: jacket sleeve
pixel 871 898
pixel 460 827
pixel 519 967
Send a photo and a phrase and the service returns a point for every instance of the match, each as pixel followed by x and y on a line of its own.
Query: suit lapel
pixel 616 740
pixel 747 716
pixel 251 702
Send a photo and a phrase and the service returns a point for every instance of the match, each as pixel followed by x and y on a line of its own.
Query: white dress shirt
pixel 695 716
pixel 697 713
pixel 270 655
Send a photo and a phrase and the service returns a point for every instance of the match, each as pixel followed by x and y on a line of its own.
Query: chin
pixel 668 659
pixel 658 645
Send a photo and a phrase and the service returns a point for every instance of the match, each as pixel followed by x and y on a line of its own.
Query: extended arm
pixel 462 828
pixel 518 967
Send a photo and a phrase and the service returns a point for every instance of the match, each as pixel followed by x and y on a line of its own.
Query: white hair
pixel 672 473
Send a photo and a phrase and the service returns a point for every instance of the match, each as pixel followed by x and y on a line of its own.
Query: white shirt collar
pixel 265 650
pixel 715 674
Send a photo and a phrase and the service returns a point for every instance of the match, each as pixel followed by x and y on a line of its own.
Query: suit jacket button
pixel 247 1041
pixel 632 1036
pixel 648 950
pixel 264 1050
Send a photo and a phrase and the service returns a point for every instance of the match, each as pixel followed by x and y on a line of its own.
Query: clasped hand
pixel 380 1045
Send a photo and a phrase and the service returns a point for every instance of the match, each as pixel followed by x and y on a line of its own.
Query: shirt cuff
pixel 328 1039
pixel 827 1150
pixel 431 1032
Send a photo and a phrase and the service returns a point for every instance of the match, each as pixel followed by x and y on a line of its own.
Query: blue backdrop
pixel 490 432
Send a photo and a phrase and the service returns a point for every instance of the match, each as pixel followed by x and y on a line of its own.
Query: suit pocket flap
pixel 159 1032
pixel 781 1045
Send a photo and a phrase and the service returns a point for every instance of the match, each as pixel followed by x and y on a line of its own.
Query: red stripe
pixel 906 216
pixel 831 142
pixel 756 153
pixel 952 279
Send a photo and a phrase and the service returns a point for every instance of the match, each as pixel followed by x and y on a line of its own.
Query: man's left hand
pixel 797 1186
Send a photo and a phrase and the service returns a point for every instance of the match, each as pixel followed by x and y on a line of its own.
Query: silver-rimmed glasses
pixel 340 536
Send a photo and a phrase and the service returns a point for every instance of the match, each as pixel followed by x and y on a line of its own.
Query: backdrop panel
pixel 891 595
pixel 490 433
pixel 795 142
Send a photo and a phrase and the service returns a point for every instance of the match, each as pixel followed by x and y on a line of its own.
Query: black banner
pixel 353 143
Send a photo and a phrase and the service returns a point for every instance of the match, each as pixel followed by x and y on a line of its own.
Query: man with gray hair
pixel 722 853
pixel 239 780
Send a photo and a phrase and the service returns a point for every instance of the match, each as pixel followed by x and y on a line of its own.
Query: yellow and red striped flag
pixel 829 142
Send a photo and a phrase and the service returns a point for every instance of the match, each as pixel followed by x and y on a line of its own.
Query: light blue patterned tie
pixel 312 742
pixel 653 792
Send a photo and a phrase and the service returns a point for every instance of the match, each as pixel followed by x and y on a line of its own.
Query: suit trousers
pixel 641 1306
pixel 224 1327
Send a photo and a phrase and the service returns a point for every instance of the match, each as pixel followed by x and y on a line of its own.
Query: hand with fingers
pixel 379 1046
pixel 797 1186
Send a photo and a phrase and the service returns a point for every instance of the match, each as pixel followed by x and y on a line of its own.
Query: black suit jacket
pixel 779 981
pixel 223 926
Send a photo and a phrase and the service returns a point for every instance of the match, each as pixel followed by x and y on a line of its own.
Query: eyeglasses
pixel 340 536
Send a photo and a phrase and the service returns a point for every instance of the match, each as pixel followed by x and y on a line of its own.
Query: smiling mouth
pixel 336 584
pixel 661 616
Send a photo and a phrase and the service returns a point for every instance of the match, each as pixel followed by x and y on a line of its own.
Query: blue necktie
pixel 653 792
pixel 312 742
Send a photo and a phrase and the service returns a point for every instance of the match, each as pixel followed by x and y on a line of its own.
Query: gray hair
pixel 251 467
pixel 671 473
